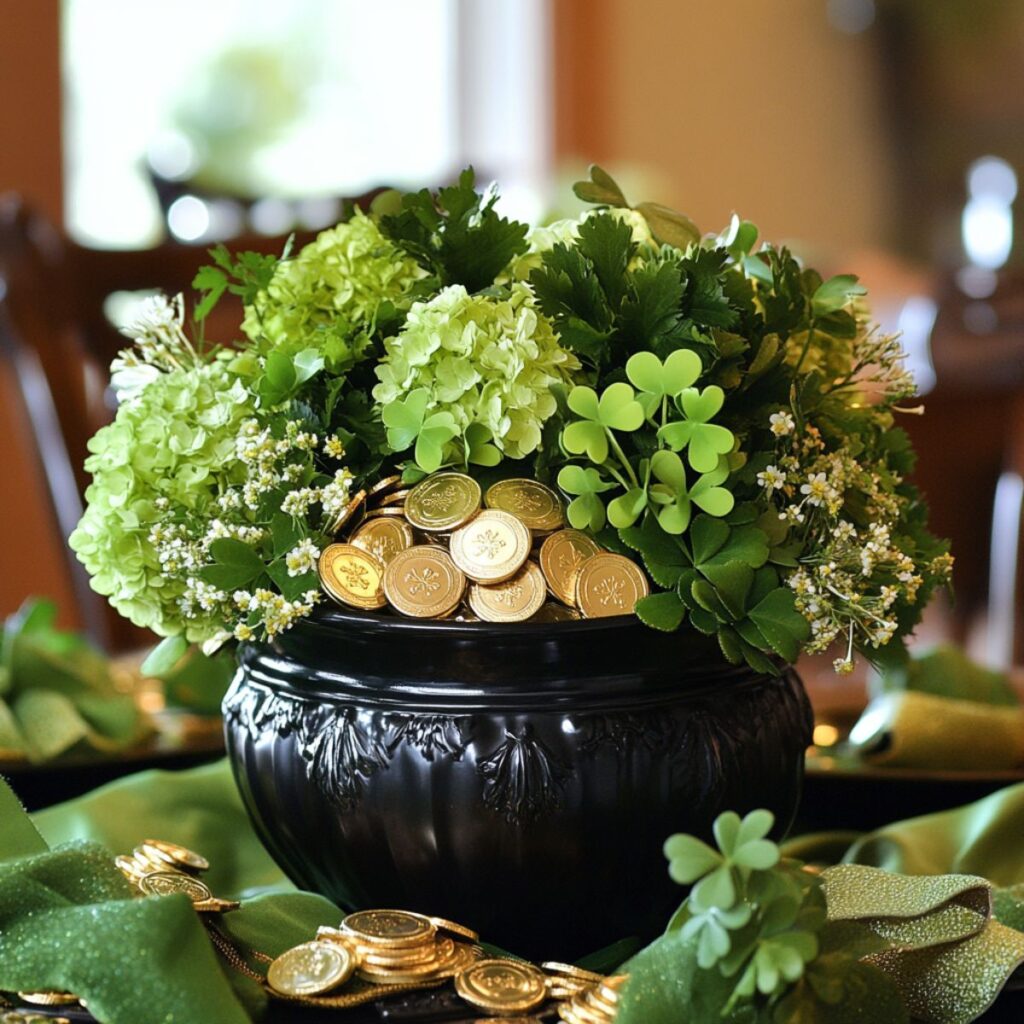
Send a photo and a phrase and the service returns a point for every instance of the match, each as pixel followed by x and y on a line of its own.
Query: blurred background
pixel 883 137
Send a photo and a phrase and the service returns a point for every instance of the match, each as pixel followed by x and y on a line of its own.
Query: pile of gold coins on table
pixel 157 868
pixel 443 549
pixel 409 951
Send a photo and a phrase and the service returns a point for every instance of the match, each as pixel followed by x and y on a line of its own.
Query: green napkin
pixel 57 692
pixel 68 920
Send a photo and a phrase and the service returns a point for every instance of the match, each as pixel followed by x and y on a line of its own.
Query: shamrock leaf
pixel 616 409
pixel 689 858
pixel 479 450
pixel 406 422
pixel 835 293
pixel 704 440
pixel 586 510
pixel 711 929
pixel 625 510
pixel 657 380
pixel 676 498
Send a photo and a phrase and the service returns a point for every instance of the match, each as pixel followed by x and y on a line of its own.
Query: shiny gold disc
pixel 131 868
pixel 491 548
pixel 352 576
pixel 454 928
pixel 502 986
pixel 443 501
pixel 150 862
pixel 388 928
pixel 172 853
pixel 514 600
pixel 164 883
pixel 384 537
pixel 382 487
pixel 347 514
pixel 394 511
pixel 539 508
pixel 311 969
pixel 48 997
pixel 609 584
pixel 395 498
pixel 561 557
pixel 423 582
pixel 572 971
pixel 552 611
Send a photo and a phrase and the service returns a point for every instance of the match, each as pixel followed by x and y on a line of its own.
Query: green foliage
pixel 753 935
pixel 456 234
pixel 407 423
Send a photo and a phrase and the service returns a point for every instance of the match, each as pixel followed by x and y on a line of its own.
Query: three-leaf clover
pixel 704 441
pixel 616 409
pixel 479 450
pixel 676 499
pixel 586 510
pixel 407 422
pixel 657 381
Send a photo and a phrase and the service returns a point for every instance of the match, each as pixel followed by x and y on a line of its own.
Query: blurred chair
pixel 56 344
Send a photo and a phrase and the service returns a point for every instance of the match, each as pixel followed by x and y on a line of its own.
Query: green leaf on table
pixel 50 723
pixel 664 611
pixel 948 672
pixel 165 656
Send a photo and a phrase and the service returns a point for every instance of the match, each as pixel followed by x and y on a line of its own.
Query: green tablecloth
pixel 64 906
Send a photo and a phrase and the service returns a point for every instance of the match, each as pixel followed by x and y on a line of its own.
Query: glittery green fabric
pixel 68 920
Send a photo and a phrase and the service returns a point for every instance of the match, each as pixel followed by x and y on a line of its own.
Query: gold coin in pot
pixel 502 986
pixel 384 537
pixel 609 584
pixel 492 547
pixel 311 969
pixel 423 582
pixel 561 557
pixel 352 576
pixel 537 506
pixel 513 600
pixel 443 501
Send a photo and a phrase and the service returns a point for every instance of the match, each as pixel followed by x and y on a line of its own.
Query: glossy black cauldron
pixel 518 778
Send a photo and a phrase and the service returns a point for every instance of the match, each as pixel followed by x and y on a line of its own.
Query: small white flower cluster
pixel 273 612
pixel 848 585
pixel 879 363
pixel 302 558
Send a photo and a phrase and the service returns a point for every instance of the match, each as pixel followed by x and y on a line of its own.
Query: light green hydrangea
pixel 167 455
pixel 484 360
pixel 326 296
pixel 566 231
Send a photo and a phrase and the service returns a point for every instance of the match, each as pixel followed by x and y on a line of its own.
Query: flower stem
pixel 622 457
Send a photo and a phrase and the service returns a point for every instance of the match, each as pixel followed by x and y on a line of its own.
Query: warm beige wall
pixel 758 106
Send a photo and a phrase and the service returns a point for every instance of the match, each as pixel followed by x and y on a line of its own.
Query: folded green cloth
pixel 57 692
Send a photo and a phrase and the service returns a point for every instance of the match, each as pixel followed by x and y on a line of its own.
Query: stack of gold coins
pixel 596 1004
pixel 311 969
pixel 398 947
pixel 505 987
pixel 157 868
pixel 442 549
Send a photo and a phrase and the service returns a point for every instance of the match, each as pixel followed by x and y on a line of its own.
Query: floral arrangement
pixel 710 408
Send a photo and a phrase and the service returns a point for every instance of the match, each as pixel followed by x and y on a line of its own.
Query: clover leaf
pixel 676 498
pixel 586 510
pixel 704 441
pixel 479 450
pixel 407 422
pixel 625 510
pixel 657 380
pixel 616 409
pixel 711 929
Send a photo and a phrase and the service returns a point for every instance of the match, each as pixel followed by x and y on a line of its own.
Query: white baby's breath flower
pixel 771 478
pixel 782 424
pixel 302 558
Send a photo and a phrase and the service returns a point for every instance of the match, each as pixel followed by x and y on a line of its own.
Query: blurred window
pixel 252 100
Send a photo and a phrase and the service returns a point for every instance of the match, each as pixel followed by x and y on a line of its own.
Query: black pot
pixel 520 779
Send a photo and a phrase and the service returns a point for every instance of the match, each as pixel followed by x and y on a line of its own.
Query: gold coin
pixel 514 600
pixel 172 853
pixel 382 486
pixel 502 986
pixel 443 501
pixel 351 576
pixel 609 584
pixel 383 537
pixel 431 950
pixel 150 862
pixel 395 498
pixel 552 611
pixel 561 557
pixel 491 548
pixel 131 868
pixel 311 969
pixel 388 928
pixel 539 508
pixel 48 997
pixel 572 971
pixel 164 883
pixel 390 511
pixel 346 514
pixel 423 582
pixel 454 928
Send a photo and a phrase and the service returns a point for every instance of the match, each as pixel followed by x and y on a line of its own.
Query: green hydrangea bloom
pixel 484 360
pixel 326 296
pixel 167 454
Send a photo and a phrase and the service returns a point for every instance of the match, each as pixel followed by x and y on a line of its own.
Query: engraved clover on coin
pixel 570 560
pixel 488 544
pixel 510 596
pixel 423 580
pixel 356 576
pixel 609 591
pixel 440 499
